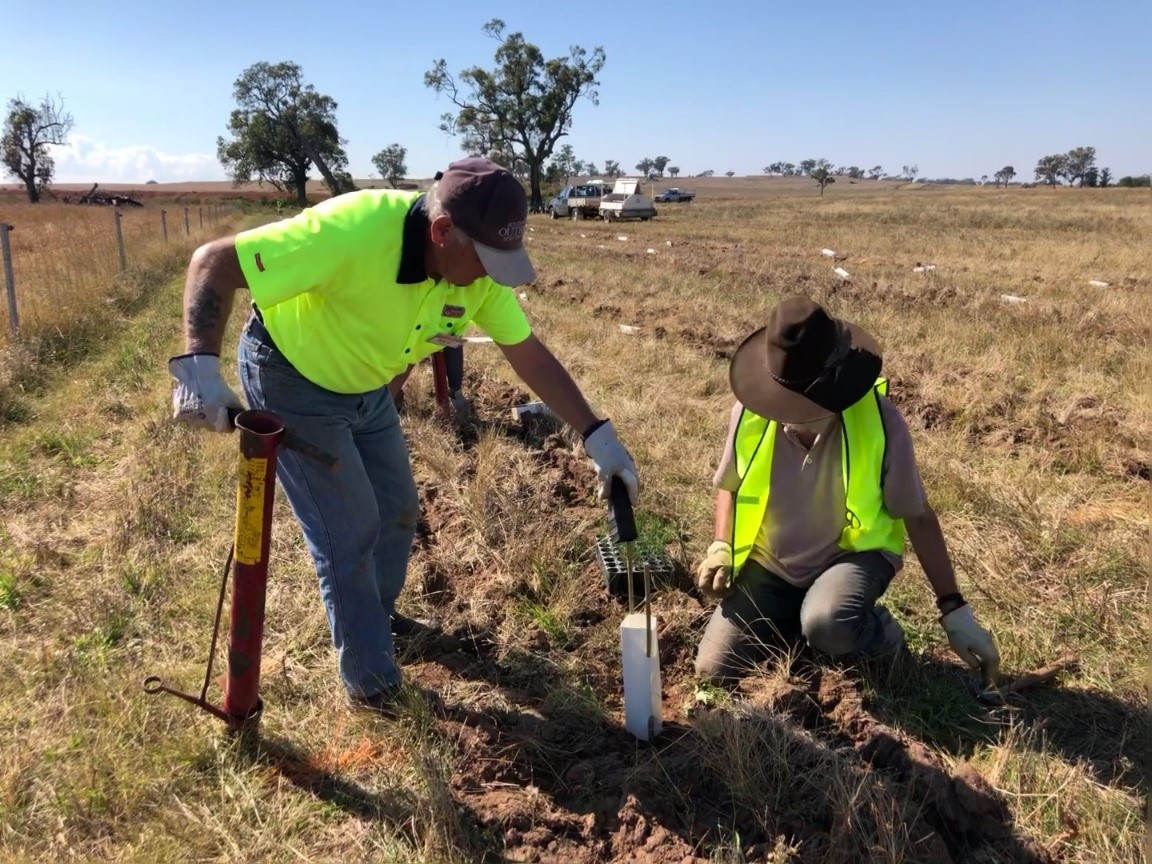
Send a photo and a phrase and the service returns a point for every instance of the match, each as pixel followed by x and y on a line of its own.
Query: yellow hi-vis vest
pixel 867 524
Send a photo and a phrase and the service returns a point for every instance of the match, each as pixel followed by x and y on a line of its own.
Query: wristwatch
pixel 950 602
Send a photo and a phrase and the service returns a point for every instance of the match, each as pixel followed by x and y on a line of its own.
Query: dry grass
pixel 71 293
pixel 1032 423
pixel 66 262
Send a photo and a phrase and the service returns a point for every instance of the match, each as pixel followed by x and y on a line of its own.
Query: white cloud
pixel 84 160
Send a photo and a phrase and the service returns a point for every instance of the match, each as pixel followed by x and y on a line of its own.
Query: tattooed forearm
pixel 214 275
pixel 204 312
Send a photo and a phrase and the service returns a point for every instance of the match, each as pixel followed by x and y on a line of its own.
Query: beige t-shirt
pixel 800 536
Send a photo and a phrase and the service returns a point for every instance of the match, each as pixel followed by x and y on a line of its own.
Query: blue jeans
pixel 359 520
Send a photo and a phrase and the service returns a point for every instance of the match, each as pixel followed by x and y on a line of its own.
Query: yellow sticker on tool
pixel 250 510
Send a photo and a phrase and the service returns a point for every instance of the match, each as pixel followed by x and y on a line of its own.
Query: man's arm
pixel 214 277
pixel 725 513
pixel 548 379
pixel 201 396
pixel 971 642
pixel 928 542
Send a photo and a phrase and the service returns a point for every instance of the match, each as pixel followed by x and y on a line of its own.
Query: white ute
pixel 625 202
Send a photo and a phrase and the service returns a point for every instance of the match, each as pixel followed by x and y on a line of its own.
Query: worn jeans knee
pixel 830 631
pixel 759 619
pixel 839 615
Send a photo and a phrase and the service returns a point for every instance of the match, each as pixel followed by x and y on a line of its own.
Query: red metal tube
pixel 440 380
pixel 261 433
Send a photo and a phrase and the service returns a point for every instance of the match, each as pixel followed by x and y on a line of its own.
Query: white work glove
pixel 972 643
pixel 201 397
pixel 714 574
pixel 611 460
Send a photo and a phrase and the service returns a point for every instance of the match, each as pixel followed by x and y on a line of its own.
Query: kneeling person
pixel 817 487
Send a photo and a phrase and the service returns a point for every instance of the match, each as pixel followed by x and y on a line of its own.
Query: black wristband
pixel 950 602
pixel 593 428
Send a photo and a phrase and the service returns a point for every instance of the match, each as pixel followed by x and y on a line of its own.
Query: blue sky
pixel 960 89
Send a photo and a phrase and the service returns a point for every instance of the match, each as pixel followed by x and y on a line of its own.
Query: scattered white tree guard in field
pixel 629 330
pixel 842 273
pixel 640 662
pixel 1012 299
pixel 1096 283
pixel 651 251
pixel 828 253
pixel 519 412
pixel 622 237
pixel 923 268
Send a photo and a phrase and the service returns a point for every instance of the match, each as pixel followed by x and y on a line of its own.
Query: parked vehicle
pixel 626 201
pixel 581 201
pixel 676 194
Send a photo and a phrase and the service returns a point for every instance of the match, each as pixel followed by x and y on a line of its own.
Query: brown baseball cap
pixel 489 205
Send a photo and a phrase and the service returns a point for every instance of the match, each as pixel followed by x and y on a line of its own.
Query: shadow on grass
pixel 300 769
pixel 752 777
pixel 400 808
pixel 936 701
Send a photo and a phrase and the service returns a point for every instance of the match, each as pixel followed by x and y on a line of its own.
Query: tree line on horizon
pixel 515 113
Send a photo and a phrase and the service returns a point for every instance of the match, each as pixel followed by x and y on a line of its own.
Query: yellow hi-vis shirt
pixel 327 285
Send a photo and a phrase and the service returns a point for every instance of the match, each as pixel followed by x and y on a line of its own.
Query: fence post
pixel 200 210
pixel 9 279
pixel 120 242
pixel 187 230
pixel 164 224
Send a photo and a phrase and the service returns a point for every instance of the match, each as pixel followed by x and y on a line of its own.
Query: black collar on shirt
pixel 412 271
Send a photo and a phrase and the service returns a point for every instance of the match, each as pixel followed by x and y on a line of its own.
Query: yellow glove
pixel 714 575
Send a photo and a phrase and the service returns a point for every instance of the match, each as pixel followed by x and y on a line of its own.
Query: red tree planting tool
pixel 440 380
pixel 262 433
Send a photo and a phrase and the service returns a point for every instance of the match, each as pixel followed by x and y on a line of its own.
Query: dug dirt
pixel 790 767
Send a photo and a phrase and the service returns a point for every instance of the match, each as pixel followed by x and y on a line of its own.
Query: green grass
pixel 10 595
pixel 72 450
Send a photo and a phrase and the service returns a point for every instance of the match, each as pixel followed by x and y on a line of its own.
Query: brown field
pixel 1032 422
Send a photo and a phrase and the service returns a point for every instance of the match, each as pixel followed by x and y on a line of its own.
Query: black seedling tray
pixel 610 555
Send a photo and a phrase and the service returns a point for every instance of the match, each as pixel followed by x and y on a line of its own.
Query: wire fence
pixel 60 259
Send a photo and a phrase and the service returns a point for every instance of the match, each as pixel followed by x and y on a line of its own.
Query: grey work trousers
pixel 837 614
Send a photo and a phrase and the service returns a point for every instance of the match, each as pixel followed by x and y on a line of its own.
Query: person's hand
pixel 611 460
pixel 714 574
pixel 972 643
pixel 201 397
